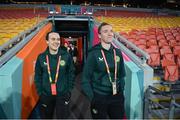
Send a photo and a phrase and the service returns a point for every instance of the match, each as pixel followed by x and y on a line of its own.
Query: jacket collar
pixel 110 49
pixel 60 51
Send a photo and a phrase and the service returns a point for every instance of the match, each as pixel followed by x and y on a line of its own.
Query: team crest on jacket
pixel 100 59
pixel 117 58
pixel 62 62
pixel 45 63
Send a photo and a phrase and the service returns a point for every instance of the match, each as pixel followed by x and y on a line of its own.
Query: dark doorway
pixel 76 32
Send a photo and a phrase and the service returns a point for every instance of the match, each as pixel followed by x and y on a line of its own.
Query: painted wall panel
pixel 133 91
pixel 11 90
pixel 29 55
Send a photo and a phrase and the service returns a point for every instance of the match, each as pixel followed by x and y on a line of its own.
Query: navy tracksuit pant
pixel 49 104
pixel 107 106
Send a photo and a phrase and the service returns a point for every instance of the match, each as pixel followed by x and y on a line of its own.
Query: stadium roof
pixel 129 3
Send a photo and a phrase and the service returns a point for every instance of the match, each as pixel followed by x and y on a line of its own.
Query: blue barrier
pixel 133 91
pixel 11 88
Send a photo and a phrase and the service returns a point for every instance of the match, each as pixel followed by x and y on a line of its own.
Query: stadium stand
pixel 13 21
pixel 158 36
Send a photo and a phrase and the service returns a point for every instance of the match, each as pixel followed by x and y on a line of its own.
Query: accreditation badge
pixel 53 89
pixel 117 58
pixel 114 88
pixel 62 62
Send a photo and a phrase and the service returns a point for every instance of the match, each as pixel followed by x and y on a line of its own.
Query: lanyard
pixel 107 67
pixel 57 70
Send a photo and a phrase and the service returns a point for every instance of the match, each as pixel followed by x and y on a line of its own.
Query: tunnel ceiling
pixel 71 28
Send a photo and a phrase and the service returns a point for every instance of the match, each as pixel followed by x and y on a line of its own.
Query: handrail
pixel 124 40
pixel 164 93
pixel 132 56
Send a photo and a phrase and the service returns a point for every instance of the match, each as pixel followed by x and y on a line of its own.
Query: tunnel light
pixel 88 13
pixel 51 12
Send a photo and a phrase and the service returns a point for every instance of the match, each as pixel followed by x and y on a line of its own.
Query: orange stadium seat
pixel 163 43
pixel 165 51
pixel 166 62
pixel 170 37
pixel 151 42
pixel 159 37
pixel 171 73
pixel 176 50
pixel 154 59
pixel 140 42
pixel 141 46
pixel 178 60
pixel 173 43
pixel 155 47
pixel 160 34
pixel 168 34
pixel 152 49
pixel 178 37
pixel 175 32
pixel 142 36
pixel 152 36
pixel 169 57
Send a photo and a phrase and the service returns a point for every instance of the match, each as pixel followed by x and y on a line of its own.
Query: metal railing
pixel 145 56
pixel 161 110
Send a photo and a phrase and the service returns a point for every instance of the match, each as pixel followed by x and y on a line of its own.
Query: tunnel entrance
pixel 74 31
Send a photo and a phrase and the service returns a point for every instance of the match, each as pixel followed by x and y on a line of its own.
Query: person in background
pixel 74 52
pixel 54 78
pixel 103 77
pixel 66 45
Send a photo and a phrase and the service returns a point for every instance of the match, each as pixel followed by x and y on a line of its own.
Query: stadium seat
pixel 170 37
pixel 171 73
pixel 175 33
pixel 153 36
pixel 160 36
pixel 14 21
pixel 154 59
pixel 156 47
pixel 166 62
pixel 178 37
pixel 169 57
pixel 152 49
pixel 140 42
pixel 178 60
pixel 151 42
pixel 172 43
pixel 176 50
pixel 141 46
pixel 163 43
pixel 165 51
